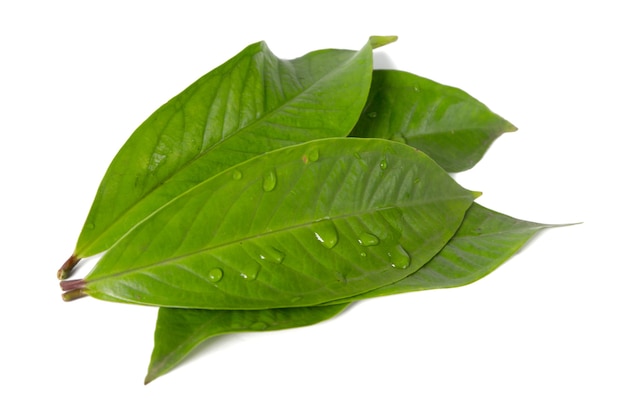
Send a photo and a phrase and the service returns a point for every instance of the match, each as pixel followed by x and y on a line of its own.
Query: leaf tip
pixel 153 373
pixel 510 128
pixel 378 41
pixel 563 224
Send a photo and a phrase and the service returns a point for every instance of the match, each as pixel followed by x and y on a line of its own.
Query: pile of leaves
pixel 272 194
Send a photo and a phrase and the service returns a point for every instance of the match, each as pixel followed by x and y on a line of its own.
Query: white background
pixel 542 336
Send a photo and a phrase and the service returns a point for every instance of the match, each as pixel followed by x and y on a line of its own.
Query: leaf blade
pixel 446 123
pixel 485 240
pixel 170 347
pixel 251 103
pixel 179 331
pixel 412 206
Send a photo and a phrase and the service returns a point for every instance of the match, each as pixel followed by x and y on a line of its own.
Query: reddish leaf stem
pixel 74 289
pixel 67 267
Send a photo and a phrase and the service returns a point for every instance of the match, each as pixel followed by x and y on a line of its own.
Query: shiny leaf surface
pixel 446 123
pixel 251 104
pixel 294 227
pixel 226 240
pixel 179 331
pixel 485 240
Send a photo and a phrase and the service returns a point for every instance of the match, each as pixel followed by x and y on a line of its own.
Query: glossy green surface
pixel 229 210
pixel 485 240
pixel 446 123
pixel 292 227
pixel 179 331
pixel 253 103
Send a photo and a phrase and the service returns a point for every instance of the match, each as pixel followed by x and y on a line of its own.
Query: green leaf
pixel 485 240
pixel 179 331
pixel 294 227
pixel 444 122
pixel 253 103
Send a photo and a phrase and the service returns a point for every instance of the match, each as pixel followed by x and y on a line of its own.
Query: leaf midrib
pixel 298 226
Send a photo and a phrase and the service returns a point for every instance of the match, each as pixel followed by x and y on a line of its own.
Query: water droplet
pixel 314 155
pixel 90 226
pixel 399 258
pixel 272 255
pixel 368 239
pixel 398 137
pixel 250 271
pixel 363 255
pixel 259 325
pixel 326 233
pixel 416 180
pixel 269 181
pixel 383 164
pixel 372 114
pixel 216 274
pixel 295 299
pixel 237 174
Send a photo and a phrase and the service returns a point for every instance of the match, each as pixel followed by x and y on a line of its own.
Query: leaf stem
pixel 73 289
pixel 74 295
pixel 67 267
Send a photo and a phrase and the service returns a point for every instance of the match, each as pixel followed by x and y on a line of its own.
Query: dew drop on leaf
pixel 368 239
pixel 216 274
pixel 237 174
pixel 326 233
pixel 250 272
pixel 314 155
pixel 399 258
pixel 372 115
pixel 269 181
pixel 272 255
pixel 383 164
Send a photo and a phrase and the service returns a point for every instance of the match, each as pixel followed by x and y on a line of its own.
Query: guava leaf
pixel 446 123
pixel 294 227
pixel 179 331
pixel 253 103
pixel 485 240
